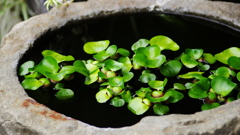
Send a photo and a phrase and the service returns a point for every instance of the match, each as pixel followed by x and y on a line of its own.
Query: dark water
pixel 124 31
pixel 234 1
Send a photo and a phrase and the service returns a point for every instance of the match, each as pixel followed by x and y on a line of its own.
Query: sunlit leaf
pixel 190 75
pixel 48 64
pixel 31 84
pixel 145 78
pixel 123 52
pixel 140 43
pixel 117 102
pixel 194 53
pixel 24 68
pixel 127 96
pixel 209 58
pixel 222 85
pixel 137 106
pixel 95 47
pixel 188 61
pixel 93 77
pixel 175 96
pixel 156 84
pixel 223 71
pixel 113 65
pixel 199 89
pixel 142 92
pixel 226 54
pixel 203 67
pixel 116 81
pixel 165 97
pixel 80 67
pixel 165 43
pixel 127 76
pixel 179 86
pixel 57 56
pixel 103 96
pixel 127 64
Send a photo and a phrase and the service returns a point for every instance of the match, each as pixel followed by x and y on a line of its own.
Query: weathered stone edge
pixel 14 99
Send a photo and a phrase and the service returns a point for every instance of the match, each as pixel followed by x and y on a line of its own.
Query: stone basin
pixel 22 115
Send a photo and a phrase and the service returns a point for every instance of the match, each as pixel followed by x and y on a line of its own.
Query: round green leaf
pixel 165 43
pixel 155 84
pixel 24 68
pixel 209 58
pixel 222 85
pixel 238 76
pixel 103 96
pixel 31 84
pixel 127 76
pixel 48 64
pixel 145 78
pixel 93 77
pixel 226 54
pixel 142 92
pixel 234 62
pixel 81 68
pixel 223 71
pixel 179 86
pixel 203 67
pixel 199 89
pixel 113 65
pixel 175 96
pixel 123 52
pixel 152 51
pixel 95 47
pixel 190 75
pixel 57 56
pixel 140 43
pixel 165 97
pixel 127 96
pixel 59 86
pixel 142 60
pixel 116 81
pixel 160 109
pixel 117 102
pixel 137 106
pixel 188 61
pixel 171 68
pixel 209 106
pixel 64 94
pixel 194 53
pixel 127 64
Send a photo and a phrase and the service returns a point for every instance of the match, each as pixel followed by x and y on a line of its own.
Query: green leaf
pixel 123 52
pixel 31 84
pixel 223 71
pixel 159 85
pixel 24 68
pixel 165 43
pixel 189 85
pixel 142 92
pixel 117 102
pixel 116 81
pixel 222 85
pixel 110 51
pixel 190 75
pixel 234 62
pixel 194 53
pixel 127 96
pixel 226 54
pixel 199 89
pixel 238 76
pixel 171 68
pixel 127 76
pixel 203 67
pixel 64 94
pixel 127 64
pixel 142 60
pixel 165 97
pixel 175 96
pixel 59 86
pixel 103 96
pixel 81 68
pixel 209 58
pixel 48 64
pixel 152 52
pixel 95 47
pixel 209 106
pixel 57 56
pixel 160 109
pixel 179 86
pixel 113 65
pixel 137 106
pixel 188 61
pixel 140 43
pixel 145 78
pixel 93 77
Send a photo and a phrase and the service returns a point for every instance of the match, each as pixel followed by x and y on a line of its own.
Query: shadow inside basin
pixel 123 31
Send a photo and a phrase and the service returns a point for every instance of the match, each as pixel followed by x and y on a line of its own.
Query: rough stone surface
pixel 21 115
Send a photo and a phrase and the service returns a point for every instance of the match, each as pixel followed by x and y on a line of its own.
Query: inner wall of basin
pixel 123 31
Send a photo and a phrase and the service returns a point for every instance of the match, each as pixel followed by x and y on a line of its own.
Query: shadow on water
pixel 123 31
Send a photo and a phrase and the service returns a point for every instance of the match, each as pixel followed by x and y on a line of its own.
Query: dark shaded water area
pixel 123 31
